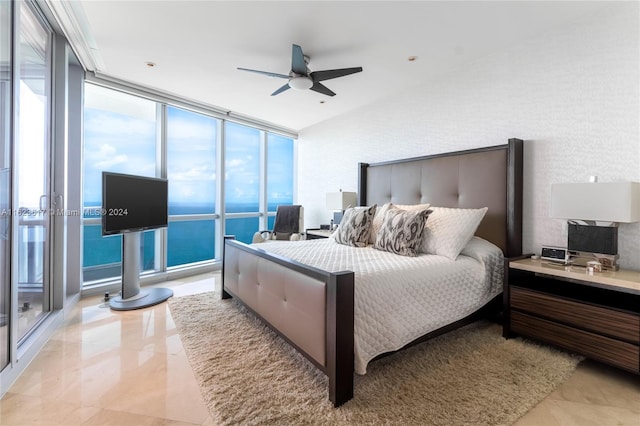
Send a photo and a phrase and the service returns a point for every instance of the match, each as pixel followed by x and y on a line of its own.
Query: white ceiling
pixel 197 46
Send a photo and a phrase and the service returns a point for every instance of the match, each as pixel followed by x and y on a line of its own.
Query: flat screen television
pixel 133 203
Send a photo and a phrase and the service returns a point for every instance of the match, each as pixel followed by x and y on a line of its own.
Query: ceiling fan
pixel 301 78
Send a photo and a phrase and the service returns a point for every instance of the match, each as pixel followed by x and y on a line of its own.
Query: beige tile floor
pixel 129 368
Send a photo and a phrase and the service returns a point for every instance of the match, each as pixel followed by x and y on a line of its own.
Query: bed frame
pixel 313 309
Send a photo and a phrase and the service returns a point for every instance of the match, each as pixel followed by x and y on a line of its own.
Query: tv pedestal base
pixel 132 297
pixel 143 299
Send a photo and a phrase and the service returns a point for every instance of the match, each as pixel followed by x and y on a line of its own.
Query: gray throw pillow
pixel 401 231
pixel 355 226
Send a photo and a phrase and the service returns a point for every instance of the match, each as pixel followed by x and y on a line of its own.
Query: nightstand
pixel 315 234
pixel 596 315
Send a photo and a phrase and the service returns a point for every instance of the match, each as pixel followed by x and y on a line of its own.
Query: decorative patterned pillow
pixel 379 217
pixel 450 229
pixel 355 226
pixel 401 231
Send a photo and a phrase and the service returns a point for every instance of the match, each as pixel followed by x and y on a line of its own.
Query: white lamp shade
pixel 341 200
pixel 605 202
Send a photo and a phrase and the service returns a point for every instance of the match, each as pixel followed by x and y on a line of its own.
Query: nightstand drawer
pixel 598 319
pixel 615 352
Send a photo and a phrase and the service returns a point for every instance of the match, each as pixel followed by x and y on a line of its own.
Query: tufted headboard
pixel 485 177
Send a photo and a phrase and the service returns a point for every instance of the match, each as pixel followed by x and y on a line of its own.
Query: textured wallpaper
pixel 571 94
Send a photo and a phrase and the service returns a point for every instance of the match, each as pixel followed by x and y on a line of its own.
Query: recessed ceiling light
pixel 412 58
pixel 150 64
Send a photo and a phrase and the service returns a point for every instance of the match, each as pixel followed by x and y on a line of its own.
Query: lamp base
pixel 580 258
pixel 592 238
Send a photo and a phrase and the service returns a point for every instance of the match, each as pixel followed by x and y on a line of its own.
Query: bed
pixel 316 306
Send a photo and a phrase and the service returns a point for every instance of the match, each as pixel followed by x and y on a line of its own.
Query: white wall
pixel 572 95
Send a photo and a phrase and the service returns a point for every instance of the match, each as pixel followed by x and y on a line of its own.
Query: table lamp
pixel 594 211
pixel 338 202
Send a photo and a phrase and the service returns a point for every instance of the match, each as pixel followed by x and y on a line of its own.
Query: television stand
pixel 132 297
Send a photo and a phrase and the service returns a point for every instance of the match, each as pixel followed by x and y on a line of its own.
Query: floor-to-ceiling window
pixel 191 170
pixel 241 180
pixel 279 173
pixel 120 135
pixel 5 178
pixel 199 154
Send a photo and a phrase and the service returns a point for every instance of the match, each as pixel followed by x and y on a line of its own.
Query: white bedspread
pixel 399 298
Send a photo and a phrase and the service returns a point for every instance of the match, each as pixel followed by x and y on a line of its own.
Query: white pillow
pixel 448 230
pixel 378 219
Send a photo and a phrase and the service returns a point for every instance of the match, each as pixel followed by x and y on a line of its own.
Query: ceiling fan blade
pixel 329 74
pixel 298 65
pixel 321 88
pixel 280 90
pixel 270 74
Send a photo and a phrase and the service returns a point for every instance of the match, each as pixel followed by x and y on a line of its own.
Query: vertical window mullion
pixel 220 172
pixel 161 171
pixel 294 178
pixel 263 206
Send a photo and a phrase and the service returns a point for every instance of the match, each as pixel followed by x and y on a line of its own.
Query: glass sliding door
pixel 5 178
pixel 32 160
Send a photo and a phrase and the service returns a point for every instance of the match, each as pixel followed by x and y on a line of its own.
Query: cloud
pixel 202 172
pixel 235 163
pixel 106 157
pixel 117 126
pixel 190 130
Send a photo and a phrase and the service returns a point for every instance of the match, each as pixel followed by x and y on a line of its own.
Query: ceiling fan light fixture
pixel 300 83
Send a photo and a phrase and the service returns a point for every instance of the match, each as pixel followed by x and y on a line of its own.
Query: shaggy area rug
pixel 471 376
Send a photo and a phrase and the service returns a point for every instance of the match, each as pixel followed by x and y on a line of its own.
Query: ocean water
pixel 187 242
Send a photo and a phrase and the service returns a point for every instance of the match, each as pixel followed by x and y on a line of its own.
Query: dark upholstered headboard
pixel 485 177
